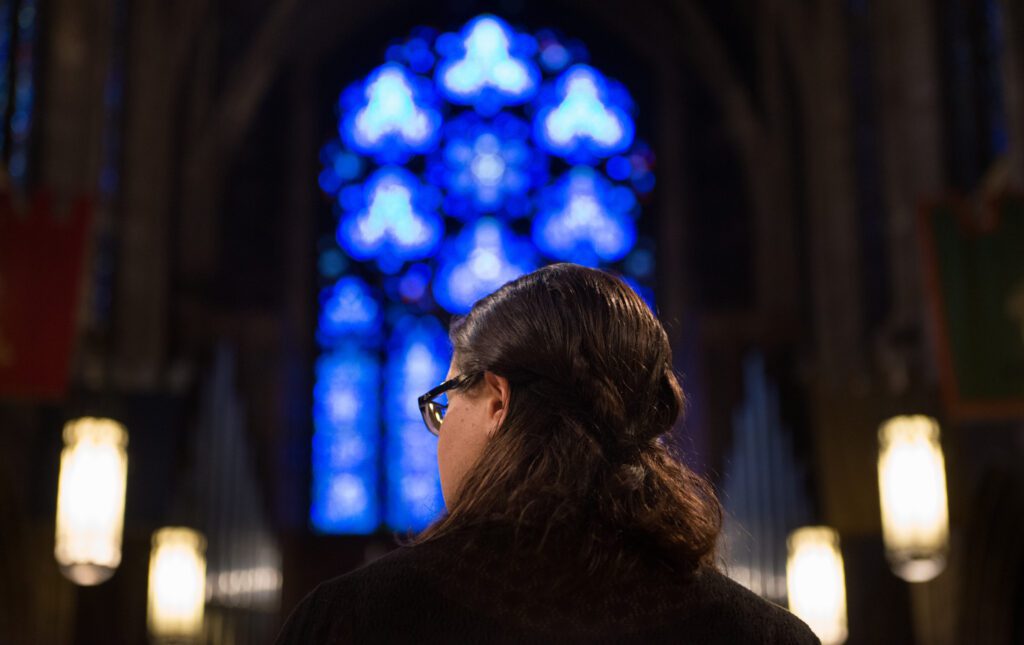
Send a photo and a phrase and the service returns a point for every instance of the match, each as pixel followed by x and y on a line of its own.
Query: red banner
pixel 42 253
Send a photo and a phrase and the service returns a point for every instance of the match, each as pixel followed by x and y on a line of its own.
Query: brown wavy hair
pixel 581 460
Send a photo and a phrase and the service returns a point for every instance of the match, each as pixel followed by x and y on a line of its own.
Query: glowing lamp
pixel 90 499
pixel 177 584
pixel 816 583
pixel 912 491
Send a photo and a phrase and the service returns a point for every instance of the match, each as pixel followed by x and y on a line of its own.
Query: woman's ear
pixel 497 393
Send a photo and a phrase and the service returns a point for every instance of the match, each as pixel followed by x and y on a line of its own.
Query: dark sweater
pixel 438 593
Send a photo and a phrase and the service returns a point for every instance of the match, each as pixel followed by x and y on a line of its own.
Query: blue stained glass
pixel 644 183
pixel 413 285
pixel 332 263
pixel 418 55
pixel 484 256
pixel 488 165
pixel 345 428
pixel 619 168
pixel 999 141
pixel 554 56
pixel 426 192
pixel 343 504
pixel 589 117
pixel 640 263
pixel 347 308
pixel 345 393
pixel 391 115
pixel 6 8
pixel 418 358
pixel 487 66
pixel 329 181
pixel 396 220
pixel 340 166
pixel 24 91
pixel 585 220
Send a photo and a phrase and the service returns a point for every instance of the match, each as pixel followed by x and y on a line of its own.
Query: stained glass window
pixel 18 35
pixel 463 161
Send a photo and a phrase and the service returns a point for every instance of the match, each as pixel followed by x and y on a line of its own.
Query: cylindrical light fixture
pixel 912 491
pixel 177 584
pixel 816 582
pixel 90 499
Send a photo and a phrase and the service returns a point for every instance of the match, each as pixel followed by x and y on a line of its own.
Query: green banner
pixel 976 286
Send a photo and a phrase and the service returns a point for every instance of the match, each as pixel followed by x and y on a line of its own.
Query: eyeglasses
pixel 433 411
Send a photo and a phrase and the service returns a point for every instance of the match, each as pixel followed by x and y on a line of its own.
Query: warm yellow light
pixel 177 584
pixel 816 583
pixel 912 491
pixel 90 499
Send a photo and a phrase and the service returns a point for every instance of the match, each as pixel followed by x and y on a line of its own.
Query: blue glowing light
pixel 340 166
pixel 585 220
pixel 641 167
pixel 415 53
pixel 619 168
pixel 554 56
pixel 480 259
pixel 395 221
pixel 6 11
pixel 488 66
pixel 640 263
pixel 418 357
pixel 332 263
pixel 488 166
pixel 24 92
pixel 442 161
pixel 347 308
pixel 589 118
pixel 414 284
pixel 345 427
pixel 343 503
pixel 390 116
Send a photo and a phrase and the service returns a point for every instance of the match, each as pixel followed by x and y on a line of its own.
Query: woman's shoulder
pixel 397 573
pixel 338 610
pixel 706 600
pixel 726 603
pixel 418 581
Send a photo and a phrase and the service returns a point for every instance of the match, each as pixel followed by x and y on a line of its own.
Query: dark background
pixel 795 142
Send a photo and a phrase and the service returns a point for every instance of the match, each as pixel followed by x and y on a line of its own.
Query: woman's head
pixel 569 385
pixel 474 414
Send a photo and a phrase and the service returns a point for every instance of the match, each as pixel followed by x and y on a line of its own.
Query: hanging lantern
pixel 177 584
pixel 90 499
pixel 816 582
pixel 912 491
